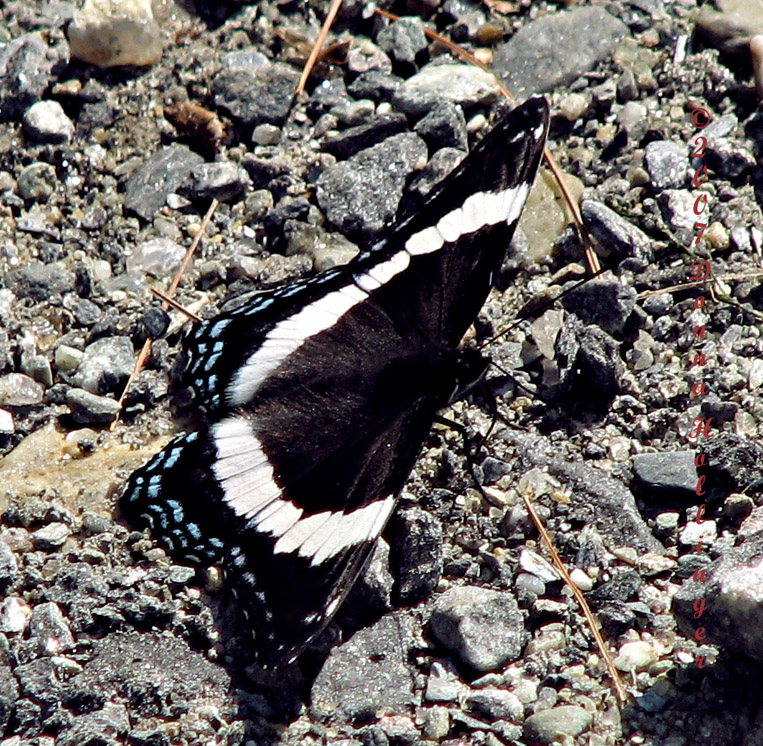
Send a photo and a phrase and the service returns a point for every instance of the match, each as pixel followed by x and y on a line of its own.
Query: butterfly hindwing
pixel 321 394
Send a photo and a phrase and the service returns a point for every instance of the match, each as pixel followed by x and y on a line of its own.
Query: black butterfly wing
pixel 292 490
pixel 325 391
pixel 434 288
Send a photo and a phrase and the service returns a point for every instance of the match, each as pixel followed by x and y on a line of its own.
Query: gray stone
pixel 223 181
pixel 159 257
pixel 147 189
pixel 465 85
pixel 673 472
pixel 483 628
pixel 50 537
pixel 37 182
pixel 605 303
pixel 444 127
pixel 548 52
pixel 404 41
pixel 666 163
pixel 363 136
pixel 49 625
pixel 729 600
pixel 90 409
pixel 8 565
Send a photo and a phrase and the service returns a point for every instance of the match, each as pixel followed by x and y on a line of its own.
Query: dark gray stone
pixel 163 173
pixel 256 96
pixel 590 368
pixel 361 195
pixel 417 554
pixel 606 303
pixel 672 472
pixel 25 73
pixel 405 42
pixel 733 463
pixel 355 139
pixel 481 627
pixel 548 53
pixel 614 233
pixel 444 127
pixel 375 85
pixel 368 674
pixel 39 281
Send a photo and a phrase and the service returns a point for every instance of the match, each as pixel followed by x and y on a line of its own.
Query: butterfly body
pixel 320 395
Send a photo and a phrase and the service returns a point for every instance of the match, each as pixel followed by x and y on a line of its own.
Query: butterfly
pixel 320 394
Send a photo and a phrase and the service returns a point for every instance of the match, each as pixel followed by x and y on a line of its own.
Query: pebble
pixel 671 472
pixel 46 121
pixel 49 625
pixel 635 656
pixel 354 139
pixel 7 426
pixel 105 365
pixel 444 127
pixel 37 182
pixel 51 536
pixel 666 163
pixel 605 303
pixel 405 42
pixel 159 257
pixel 8 565
pixel 89 409
pixel 67 359
pixel 106 33
pixel 14 614
pixel 465 85
pixel 482 627
pixel 556 723
pixel 18 390
pixel 222 180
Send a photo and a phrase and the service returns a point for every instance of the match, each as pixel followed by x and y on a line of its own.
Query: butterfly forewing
pixel 322 393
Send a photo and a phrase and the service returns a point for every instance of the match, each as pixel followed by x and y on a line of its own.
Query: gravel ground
pixel 459 632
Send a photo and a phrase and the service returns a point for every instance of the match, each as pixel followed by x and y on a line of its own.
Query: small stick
pixel 592 260
pixel 319 42
pixel 146 349
pixel 614 675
